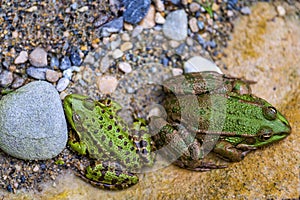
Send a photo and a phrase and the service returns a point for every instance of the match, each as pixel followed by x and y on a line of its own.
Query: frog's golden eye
pixel 270 113
pixel 264 134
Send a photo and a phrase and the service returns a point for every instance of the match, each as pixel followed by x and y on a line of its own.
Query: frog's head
pixel 276 128
pixel 76 106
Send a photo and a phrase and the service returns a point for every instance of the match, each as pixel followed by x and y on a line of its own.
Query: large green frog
pixel 99 133
pixel 208 111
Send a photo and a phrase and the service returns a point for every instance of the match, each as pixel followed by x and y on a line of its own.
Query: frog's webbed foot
pixel 108 175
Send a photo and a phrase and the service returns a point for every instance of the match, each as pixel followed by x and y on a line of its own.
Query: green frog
pixel 208 111
pixel 116 151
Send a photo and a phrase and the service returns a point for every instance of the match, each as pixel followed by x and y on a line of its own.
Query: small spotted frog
pixel 99 133
pixel 210 111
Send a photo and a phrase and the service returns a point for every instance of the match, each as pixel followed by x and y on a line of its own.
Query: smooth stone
pixel 135 10
pixel 193 23
pixel 280 10
pixel 112 27
pixel 107 84
pixel 54 63
pixel 52 76
pixel 246 10
pixel 175 27
pixel 32 122
pixel 21 58
pixel 75 58
pixel 117 53
pixel 65 63
pixel 159 5
pixel 125 67
pixel 6 78
pixel 159 19
pixel 149 20
pixel 37 73
pixel 200 64
pixel 126 46
pixel 62 84
pixel 38 57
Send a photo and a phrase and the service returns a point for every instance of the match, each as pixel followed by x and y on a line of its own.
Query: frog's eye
pixel 270 113
pixel 89 104
pixel 264 134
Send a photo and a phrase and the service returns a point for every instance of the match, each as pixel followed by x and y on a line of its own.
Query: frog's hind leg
pixel 108 175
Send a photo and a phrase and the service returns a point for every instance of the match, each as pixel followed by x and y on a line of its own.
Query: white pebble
pixel 125 67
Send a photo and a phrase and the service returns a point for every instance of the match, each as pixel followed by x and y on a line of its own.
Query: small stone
pixel 159 5
pixel 37 73
pixel 113 26
pixel 125 37
pixel 54 62
pixel 18 82
pixel 52 76
pixel 32 9
pixel 65 63
pixel 125 67
pixel 38 57
pixel 136 31
pixel 280 10
pixel 32 121
pixel 36 168
pixel 21 58
pixel 193 25
pixel 177 71
pixel 68 73
pixel 107 84
pixel 75 58
pixel 246 10
pixel 6 78
pixel 200 25
pixel 83 9
pixel 135 10
pixel 89 58
pixel 105 63
pixel 117 54
pixel 115 44
pixel 159 19
pixel 128 27
pixel 62 84
pixel 194 7
pixel 126 46
pixel 199 64
pixel 175 26
pixel 149 19
pixel 230 13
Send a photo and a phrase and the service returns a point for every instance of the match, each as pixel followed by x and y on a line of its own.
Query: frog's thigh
pixel 227 151
pixel 109 175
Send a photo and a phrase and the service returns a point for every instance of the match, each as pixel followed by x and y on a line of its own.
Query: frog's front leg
pixel 229 152
pixel 108 175
pixel 76 146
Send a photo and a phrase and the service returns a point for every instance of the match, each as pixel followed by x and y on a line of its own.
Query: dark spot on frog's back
pixel 127 160
pixel 103 137
pixel 110 143
pixel 143 143
pixel 109 127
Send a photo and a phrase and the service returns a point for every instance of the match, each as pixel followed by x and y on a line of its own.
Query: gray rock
pixel 54 62
pixel 32 122
pixel 65 63
pixel 246 10
pixel 38 57
pixel 175 26
pixel 37 73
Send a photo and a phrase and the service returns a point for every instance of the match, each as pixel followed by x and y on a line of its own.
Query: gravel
pixel 175 26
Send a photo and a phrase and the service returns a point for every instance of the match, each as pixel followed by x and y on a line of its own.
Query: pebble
pixel 105 63
pixel 175 26
pixel 52 76
pixel 6 78
pixel 246 10
pixel 194 7
pixel 18 82
pixel 54 62
pixel 107 84
pixel 75 58
pixel 199 64
pixel 177 71
pixel 65 63
pixel 125 37
pixel 125 67
pixel 89 58
pixel 21 58
pixel 38 57
pixel 280 10
pixel 115 44
pixel 117 53
pixel 135 10
pixel 159 5
pixel 136 31
pixel 62 84
pixel 68 73
pixel 112 27
pixel 159 19
pixel 193 25
pixel 126 46
pixel 37 73
pixel 149 20
pixel 32 122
